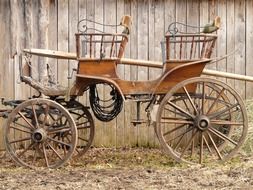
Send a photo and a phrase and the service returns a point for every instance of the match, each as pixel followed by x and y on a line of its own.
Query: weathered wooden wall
pixel 52 24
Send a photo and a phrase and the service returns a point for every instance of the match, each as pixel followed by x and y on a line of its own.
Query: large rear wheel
pixel 201 120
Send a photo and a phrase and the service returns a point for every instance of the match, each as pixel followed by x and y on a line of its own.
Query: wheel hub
pixel 202 122
pixel 39 135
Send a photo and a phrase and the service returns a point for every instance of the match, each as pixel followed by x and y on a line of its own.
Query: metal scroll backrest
pixel 95 43
pixel 100 45
pixel 189 46
pixel 187 42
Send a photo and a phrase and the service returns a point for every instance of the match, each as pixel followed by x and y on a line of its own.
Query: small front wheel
pixel 201 120
pixel 40 133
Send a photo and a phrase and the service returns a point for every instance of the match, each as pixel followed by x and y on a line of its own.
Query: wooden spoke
pixel 45 154
pixel 220 113
pixel 201 148
pixel 27 148
pixel 187 108
pixel 35 117
pixel 221 135
pixel 214 145
pixel 57 154
pixel 190 99
pixel 188 130
pixel 82 115
pixel 180 109
pixel 84 127
pixel 177 113
pixel 59 130
pixel 16 128
pixel 59 142
pixel 82 123
pixel 175 120
pixel 83 139
pixel 20 140
pixel 46 114
pixel 215 101
pixel 188 144
pixel 203 98
pixel 35 153
pixel 224 122
pixel 207 144
pixel 16 123
pixel 26 120
pixel 174 129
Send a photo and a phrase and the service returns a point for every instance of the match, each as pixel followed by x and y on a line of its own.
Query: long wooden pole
pixel 157 64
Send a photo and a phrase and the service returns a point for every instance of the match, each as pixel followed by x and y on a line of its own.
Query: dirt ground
pixel 136 168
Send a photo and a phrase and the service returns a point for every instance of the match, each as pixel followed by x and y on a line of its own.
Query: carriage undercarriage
pixel 196 119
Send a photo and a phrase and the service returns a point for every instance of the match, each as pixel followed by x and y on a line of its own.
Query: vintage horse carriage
pixel 196 119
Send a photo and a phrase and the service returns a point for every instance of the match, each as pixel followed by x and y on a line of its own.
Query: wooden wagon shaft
pixel 137 62
pixel 157 64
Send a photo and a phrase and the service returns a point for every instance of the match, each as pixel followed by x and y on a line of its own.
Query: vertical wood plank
pixel 231 40
pixel 240 44
pixel 62 37
pixel 120 124
pixel 96 12
pixel 110 18
pixel 130 131
pixel 158 25
pixel 142 51
pixel 212 8
pixel 133 69
pixel 52 35
pixel 73 20
pixel 249 47
pixel 222 33
pixel 181 7
pixel 43 40
pixel 6 68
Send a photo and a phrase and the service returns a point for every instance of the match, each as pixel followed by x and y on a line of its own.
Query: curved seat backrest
pixel 99 45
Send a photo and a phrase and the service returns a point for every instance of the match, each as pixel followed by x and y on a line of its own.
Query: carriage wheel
pixel 40 133
pixel 84 123
pixel 210 124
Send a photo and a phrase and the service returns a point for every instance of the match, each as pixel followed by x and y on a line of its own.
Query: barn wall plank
pixel 109 18
pixel 249 47
pixel 96 12
pixel 120 124
pixel 231 40
pixel 240 44
pixel 6 65
pixel 63 35
pixel 221 41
